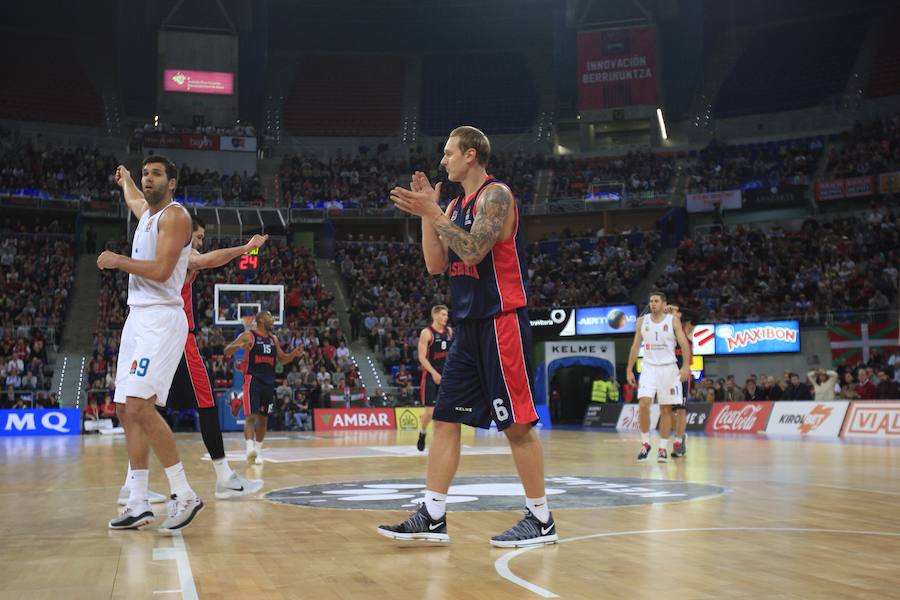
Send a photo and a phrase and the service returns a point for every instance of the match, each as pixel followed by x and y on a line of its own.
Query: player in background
pixel 434 346
pixel 658 332
pixel 261 350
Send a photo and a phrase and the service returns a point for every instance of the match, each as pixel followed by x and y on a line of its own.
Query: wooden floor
pixel 794 520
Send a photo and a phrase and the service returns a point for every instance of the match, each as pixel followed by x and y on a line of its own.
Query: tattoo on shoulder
pixel 493 209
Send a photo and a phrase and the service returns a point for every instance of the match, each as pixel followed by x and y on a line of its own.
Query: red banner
pixel 616 67
pixel 739 417
pixel 347 419
pixel 855 187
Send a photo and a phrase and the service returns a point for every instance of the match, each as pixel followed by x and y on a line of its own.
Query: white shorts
pixel 151 347
pixel 661 382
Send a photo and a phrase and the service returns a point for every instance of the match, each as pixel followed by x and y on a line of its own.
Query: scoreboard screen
pixel 249 261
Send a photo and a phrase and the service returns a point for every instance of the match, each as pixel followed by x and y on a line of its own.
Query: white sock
pixel 436 504
pixel 645 438
pixel 539 508
pixel 223 469
pixel 137 486
pixel 664 444
pixel 178 481
pixel 421 432
pixel 258 446
pixel 127 476
pixel 249 445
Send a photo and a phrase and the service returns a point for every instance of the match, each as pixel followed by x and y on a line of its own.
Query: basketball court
pixel 740 517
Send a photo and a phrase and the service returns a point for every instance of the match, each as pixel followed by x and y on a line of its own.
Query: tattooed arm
pixel 492 210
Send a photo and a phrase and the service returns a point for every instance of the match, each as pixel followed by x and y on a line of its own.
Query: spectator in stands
pixel 92 411
pixel 823 383
pixel 732 392
pixel 108 410
pixel 29 381
pixel 796 389
pixel 848 387
pixel 865 389
pixel 751 392
pixel 887 388
pixel 404 382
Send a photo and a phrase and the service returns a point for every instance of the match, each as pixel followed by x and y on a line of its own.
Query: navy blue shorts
pixel 488 374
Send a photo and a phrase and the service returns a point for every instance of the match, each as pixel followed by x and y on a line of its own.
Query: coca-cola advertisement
pixel 739 417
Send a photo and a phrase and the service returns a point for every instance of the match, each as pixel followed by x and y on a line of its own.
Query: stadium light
pixel 662 124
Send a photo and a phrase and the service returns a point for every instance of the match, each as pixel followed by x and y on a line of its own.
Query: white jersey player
pixel 657 333
pixel 152 343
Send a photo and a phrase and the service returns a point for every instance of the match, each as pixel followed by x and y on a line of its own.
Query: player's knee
pixel 519 433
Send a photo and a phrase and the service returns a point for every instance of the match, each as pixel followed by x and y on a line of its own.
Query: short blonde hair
pixel 436 309
pixel 473 138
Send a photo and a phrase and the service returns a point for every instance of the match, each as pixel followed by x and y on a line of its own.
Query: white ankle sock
pixel 436 504
pixel 539 508
pixel 137 486
pixel 664 444
pixel 127 476
pixel 223 470
pixel 258 446
pixel 645 438
pixel 178 481
pixel 421 432
pixel 250 445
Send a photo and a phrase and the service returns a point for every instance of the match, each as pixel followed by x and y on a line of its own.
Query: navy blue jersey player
pixel 488 375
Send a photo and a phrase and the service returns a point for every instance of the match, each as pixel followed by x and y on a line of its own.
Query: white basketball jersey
pixel 658 341
pixel 143 291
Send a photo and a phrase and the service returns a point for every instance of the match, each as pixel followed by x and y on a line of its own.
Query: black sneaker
pixel 684 445
pixel 419 526
pixel 421 443
pixel 529 531
pixel 677 450
pixel 662 456
pixel 133 517
pixel 645 452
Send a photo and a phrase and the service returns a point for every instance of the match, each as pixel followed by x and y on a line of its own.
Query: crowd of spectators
pixel 392 296
pixel 847 267
pixel 590 270
pixel 640 172
pixel 215 189
pixel 365 182
pixel 36 276
pixel 869 148
pixel 41 171
pixel 771 165
pixel 325 367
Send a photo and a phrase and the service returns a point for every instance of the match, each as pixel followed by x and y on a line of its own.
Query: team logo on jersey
pixel 672 391
pixel 665 327
pixel 149 225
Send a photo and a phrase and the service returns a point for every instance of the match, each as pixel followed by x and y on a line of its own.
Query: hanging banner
pixel 706 202
pixel 616 67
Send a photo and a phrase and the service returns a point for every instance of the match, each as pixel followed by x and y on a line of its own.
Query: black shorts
pixel 428 391
pixel 191 386
pixel 488 374
pixel 258 396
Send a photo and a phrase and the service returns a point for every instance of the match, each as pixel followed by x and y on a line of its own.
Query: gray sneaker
pixel 133 517
pixel 527 532
pixel 153 497
pixel 181 512
pixel 237 487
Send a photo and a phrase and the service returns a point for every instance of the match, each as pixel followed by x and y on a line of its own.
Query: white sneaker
pixel 252 453
pixel 152 497
pixel 237 487
pixel 259 458
pixel 133 517
pixel 181 512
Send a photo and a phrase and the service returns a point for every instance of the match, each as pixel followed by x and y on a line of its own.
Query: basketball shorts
pixel 488 374
pixel 428 391
pixel 661 382
pixel 685 394
pixel 191 387
pixel 152 344
pixel 258 396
